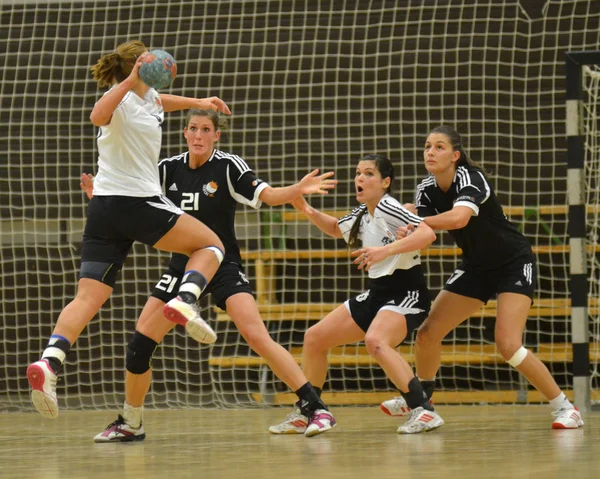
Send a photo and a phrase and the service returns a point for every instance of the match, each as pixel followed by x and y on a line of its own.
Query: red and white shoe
pixel 395 407
pixel 294 423
pixel 188 316
pixel 421 420
pixel 120 431
pixel 567 418
pixel 320 421
pixel 43 388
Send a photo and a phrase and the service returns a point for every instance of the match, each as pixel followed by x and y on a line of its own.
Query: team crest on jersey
pixel 210 189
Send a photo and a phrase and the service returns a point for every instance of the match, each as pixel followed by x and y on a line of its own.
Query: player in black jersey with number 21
pixel 497 260
pixel 208 184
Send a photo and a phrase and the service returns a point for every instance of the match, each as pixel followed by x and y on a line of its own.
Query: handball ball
pixel 158 69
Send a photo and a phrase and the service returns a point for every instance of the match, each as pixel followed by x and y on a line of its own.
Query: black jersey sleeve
pixel 166 167
pixel 472 188
pixel 243 184
pixel 423 200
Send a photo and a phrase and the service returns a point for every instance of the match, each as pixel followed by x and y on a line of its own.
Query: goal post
pixel 583 137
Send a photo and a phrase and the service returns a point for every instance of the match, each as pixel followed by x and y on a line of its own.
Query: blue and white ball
pixel 158 69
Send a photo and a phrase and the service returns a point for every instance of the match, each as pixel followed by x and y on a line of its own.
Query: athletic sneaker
pixel 43 388
pixel 294 423
pixel 320 421
pixel 120 431
pixel 567 418
pixel 187 315
pixel 421 420
pixel 395 407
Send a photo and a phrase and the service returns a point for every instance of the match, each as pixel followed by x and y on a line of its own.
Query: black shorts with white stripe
pixel 519 276
pixel 412 302
pixel 115 222
pixel 229 279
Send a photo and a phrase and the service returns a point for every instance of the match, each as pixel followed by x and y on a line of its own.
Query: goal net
pixel 310 85
pixel 590 129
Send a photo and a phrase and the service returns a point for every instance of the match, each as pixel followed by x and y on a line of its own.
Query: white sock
pixel 133 415
pixel 560 402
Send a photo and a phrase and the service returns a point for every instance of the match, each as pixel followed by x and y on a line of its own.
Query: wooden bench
pixel 476 353
pixel 458 354
pixel 266 260
pixel 542 308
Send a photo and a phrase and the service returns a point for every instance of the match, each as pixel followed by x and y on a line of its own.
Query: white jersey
pixel 379 230
pixel 129 148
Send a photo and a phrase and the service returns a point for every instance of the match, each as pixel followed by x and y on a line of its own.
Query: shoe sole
pixel 197 329
pixel 289 431
pixel 44 404
pixel 138 438
pixel 316 432
pixel 174 315
pixel 201 332
pixel 424 430
pixel 562 426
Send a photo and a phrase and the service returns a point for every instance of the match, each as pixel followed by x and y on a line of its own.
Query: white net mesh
pixel 314 84
pixel 590 118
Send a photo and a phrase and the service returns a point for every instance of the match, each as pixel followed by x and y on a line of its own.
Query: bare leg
pixel 336 329
pixel 244 312
pixel 154 325
pixel 73 319
pixel 386 332
pixel 447 312
pixel 510 323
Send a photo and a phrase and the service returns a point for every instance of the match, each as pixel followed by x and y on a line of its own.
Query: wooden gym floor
pixel 476 442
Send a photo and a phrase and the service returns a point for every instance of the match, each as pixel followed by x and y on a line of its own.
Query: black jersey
pixel 211 193
pixel 488 241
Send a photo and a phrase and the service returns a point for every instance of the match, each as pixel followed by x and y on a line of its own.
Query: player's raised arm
pixel 312 183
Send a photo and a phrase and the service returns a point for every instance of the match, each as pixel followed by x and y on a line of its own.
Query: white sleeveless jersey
pixel 379 230
pixel 129 148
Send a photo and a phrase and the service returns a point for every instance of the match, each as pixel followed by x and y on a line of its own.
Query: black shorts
pixel 520 277
pixel 114 223
pixel 228 280
pixel 413 303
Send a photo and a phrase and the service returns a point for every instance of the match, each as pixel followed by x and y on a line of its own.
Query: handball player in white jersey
pixel 497 261
pixel 209 183
pixel 128 206
pixel 397 300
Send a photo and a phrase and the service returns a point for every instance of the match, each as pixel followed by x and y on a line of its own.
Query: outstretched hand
pixel 369 255
pixel 212 103
pixel 321 184
pixel 87 184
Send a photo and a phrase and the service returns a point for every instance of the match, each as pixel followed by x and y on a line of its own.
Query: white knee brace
pixel 217 251
pixel 518 357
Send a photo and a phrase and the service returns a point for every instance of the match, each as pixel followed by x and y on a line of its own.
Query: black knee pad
pixel 139 353
pixel 104 272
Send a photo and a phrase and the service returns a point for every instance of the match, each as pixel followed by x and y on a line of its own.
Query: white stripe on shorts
pixel 166 204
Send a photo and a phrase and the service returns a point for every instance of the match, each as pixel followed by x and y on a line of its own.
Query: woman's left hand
pixel 367 256
pixel 87 184
pixel 321 184
pixel 212 103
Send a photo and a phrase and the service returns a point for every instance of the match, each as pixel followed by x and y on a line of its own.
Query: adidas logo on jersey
pixel 518 283
pixel 173 187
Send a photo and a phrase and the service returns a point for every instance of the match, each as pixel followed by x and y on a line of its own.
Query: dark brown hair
pixel 386 169
pixel 456 142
